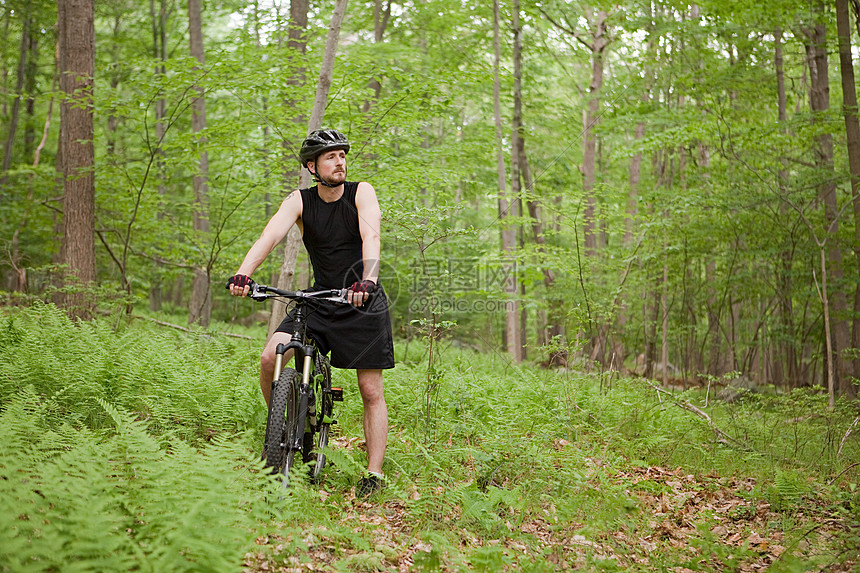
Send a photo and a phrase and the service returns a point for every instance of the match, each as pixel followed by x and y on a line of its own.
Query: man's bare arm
pixel 369 224
pixel 276 229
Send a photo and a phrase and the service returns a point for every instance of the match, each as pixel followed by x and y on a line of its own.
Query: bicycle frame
pixel 305 350
pixel 306 360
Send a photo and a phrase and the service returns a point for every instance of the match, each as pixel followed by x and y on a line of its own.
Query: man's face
pixel 331 166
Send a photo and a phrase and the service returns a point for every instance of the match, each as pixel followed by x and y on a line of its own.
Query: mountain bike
pixel 301 407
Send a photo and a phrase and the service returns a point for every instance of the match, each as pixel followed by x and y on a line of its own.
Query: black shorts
pixel 358 338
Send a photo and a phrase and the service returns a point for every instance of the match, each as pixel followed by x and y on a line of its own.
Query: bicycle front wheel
pixel 324 417
pixel 281 423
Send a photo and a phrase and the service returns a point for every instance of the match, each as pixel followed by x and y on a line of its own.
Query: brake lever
pixel 339 296
pixel 258 293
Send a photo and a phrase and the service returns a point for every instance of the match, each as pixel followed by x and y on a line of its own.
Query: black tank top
pixel 331 236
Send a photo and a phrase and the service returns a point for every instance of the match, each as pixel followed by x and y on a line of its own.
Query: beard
pixel 337 177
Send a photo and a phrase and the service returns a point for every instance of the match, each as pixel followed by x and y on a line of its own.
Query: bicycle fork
pixel 305 394
pixel 305 390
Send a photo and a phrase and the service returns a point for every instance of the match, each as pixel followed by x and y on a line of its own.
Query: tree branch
pixel 722 436
pixel 848 433
pixel 189 330
pixel 567 30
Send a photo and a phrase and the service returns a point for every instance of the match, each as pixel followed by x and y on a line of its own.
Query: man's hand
pixel 240 285
pixel 359 292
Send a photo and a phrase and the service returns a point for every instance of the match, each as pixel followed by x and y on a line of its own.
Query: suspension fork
pixel 279 362
pixel 306 352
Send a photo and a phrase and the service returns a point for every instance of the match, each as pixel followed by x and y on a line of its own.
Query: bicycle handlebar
pixel 261 293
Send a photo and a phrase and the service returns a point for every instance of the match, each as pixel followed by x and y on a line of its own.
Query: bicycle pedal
pixel 336 394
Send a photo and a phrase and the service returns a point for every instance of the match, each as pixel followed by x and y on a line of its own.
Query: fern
pixel 128 447
pixel 118 500
pixel 206 386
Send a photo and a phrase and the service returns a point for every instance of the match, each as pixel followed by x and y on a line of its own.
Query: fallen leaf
pixel 720 531
pixel 755 539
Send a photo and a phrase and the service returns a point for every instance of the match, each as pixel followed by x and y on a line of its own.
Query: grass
pixel 133 447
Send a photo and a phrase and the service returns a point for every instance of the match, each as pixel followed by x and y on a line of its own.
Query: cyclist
pixel 340 225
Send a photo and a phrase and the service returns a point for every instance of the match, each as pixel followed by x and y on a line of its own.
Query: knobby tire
pixel 281 422
pixel 324 413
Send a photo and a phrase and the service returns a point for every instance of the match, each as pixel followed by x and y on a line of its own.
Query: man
pixel 340 222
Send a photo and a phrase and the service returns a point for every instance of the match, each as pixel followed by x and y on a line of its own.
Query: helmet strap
pixel 318 179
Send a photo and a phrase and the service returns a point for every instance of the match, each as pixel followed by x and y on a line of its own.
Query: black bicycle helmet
pixel 320 141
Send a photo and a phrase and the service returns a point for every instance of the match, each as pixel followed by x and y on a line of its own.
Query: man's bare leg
pixel 375 417
pixel 267 362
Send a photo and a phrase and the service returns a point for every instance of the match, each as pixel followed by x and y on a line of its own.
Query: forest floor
pixel 122 460
pixel 704 523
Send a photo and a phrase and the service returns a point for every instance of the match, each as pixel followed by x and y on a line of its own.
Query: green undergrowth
pixel 119 499
pixel 132 447
pixel 193 386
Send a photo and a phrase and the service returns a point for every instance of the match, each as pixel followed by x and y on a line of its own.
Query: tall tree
pixel 517 162
pixel 326 73
pixel 297 43
pixel 77 49
pixel 200 309
pixel 381 17
pixel 596 43
pixel 852 137
pixel 819 98
pixel 596 40
pixel 786 363
pixel 19 87
pixel 506 205
pixel 158 20
pixel 291 249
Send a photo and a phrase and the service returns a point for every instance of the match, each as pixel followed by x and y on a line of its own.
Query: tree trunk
pixel 555 315
pixel 114 74
pixel 293 243
pixel 326 71
pixel 19 280
pixel 852 133
pixel 592 229
pixel 828 335
pixel 159 48
pixel 30 89
pixel 381 17
pixel 297 43
pixel 200 309
pixel 77 50
pixel 16 103
pixel 819 97
pixel 514 321
pixel 599 41
pixel 664 324
pixel 19 277
pixel 651 310
pixel 508 233
pixel 785 368
pixel 554 332
pixel 4 71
